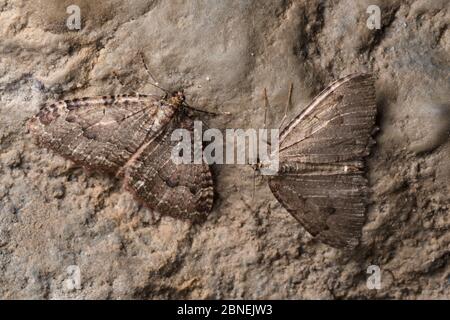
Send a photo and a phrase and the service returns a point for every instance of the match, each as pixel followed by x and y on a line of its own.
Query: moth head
pixel 177 98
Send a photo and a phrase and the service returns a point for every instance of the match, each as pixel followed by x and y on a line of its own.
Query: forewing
pixel 336 126
pixel 103 132
pixel 179 190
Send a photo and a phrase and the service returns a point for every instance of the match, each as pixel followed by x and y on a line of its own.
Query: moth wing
pixel 179 190
pixel 100 133
pixel 321 180
pixel 336 126
pixel 330 206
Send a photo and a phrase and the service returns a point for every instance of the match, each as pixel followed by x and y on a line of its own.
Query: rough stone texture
pixel 53 214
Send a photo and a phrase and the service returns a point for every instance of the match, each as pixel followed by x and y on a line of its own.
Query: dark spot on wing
pixel 90 135
pixel 171 182
pixel 71 118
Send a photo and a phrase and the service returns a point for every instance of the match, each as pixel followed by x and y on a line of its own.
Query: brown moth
pixel 321 178
pixel 129 136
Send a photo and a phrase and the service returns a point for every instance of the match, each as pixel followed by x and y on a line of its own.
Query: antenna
pixel 288 104
pixel 116 76
pixel 155 84
pixel 254 186
pixel 266 106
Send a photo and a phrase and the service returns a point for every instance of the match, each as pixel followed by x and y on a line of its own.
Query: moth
pixel 321 178
pixel 128 136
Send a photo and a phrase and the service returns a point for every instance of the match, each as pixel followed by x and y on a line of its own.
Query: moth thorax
pixel 177 99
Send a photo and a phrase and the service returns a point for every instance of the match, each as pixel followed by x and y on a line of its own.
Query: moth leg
pixel 288 105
